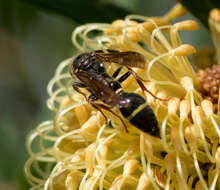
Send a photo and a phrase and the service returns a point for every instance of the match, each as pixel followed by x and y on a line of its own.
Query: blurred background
pixel 33 42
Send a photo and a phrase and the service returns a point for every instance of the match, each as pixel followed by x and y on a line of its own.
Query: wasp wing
pixel 99 86
pixel 127 58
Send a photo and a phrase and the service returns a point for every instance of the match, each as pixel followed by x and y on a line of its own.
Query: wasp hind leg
pixel 135 75
pixel 140 83
pixel 126 75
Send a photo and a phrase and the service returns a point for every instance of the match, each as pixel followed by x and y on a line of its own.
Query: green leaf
pixel 82 11
pixel 201 9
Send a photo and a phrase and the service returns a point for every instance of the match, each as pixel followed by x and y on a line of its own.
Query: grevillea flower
pixel 77 149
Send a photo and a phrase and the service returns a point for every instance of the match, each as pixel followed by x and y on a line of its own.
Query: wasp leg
pixel 135 75
pixel 97 52
pixel 80 84
pixel 118 70
pixel 89 99
pixel 99 109
pixel 77 85
pixel 140 83
pixel 92 97
pixel 112 51
pixel 105 51
pixel 102 106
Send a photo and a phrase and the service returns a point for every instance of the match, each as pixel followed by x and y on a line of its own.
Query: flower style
pixel 79 150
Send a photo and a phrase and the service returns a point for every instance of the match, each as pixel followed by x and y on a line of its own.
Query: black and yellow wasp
pixel 91 73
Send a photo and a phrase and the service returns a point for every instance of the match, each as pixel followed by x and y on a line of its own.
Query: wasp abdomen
pixel 134 101
pixel 146 121
pixel 139 113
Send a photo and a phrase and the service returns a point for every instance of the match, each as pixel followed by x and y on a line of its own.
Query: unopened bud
pixel 215 15
pixel 183 50
pixel 156 21
pixel 130 166
pixel 144 182
pixel 187 83
pixel 207 107
pixel 217 158
pixel 188 25
pixel 176 11
pixel 184 109
pixel 173 105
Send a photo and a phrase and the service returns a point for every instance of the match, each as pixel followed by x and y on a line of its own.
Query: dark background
pixel 32 43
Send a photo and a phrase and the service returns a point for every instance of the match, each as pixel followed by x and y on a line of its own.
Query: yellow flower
pixel 80 151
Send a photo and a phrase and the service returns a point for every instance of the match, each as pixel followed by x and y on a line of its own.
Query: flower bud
pixel 184 50
pixel 188 25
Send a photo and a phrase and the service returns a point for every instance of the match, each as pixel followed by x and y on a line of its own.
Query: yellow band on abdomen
pixel 136 111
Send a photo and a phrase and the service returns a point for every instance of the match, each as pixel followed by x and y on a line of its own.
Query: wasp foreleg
pixel 77 85
pixel 91 100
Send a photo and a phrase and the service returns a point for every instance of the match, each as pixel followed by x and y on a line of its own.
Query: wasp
pixel 91 73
